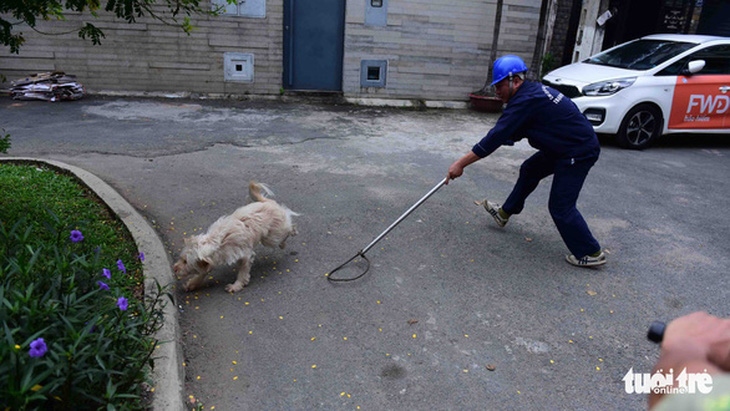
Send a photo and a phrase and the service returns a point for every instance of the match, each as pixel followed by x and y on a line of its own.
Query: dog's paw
pixel 193 284
pixel 234 288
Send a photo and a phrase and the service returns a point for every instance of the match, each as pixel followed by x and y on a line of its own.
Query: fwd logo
pixel 709 104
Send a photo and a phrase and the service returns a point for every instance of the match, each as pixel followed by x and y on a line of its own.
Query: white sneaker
pixel 587 261
pixel 493 209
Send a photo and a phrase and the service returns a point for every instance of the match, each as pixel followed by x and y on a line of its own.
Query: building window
pixel 244 8
pixel 373 72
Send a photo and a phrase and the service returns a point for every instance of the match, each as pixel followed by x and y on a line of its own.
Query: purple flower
pixel 76 236
pixel 102 285
pixel 97 249
pixel 122 303
pixel 106 273
pixel 38 348
pixel 121 267
pixel 141 256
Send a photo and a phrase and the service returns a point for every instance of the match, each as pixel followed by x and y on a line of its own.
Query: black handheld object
pixel 656 332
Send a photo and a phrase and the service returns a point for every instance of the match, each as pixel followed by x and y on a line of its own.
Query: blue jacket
pixel 551 122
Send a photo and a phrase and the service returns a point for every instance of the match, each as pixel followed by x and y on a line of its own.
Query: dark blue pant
pixel 567 181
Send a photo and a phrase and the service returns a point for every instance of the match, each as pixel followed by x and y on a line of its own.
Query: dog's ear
pixel 205 248
pixel 204 265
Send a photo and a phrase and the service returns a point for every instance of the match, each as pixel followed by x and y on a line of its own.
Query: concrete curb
pixel 404 103
pixel 359 101
pixel 168 372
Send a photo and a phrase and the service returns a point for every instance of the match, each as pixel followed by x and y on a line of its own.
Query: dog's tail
pixel 255 189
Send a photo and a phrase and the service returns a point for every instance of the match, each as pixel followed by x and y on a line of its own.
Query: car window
pixel 640 54
pixel 717 61
pixel 675 68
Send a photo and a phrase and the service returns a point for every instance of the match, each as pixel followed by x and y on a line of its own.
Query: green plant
pixel 4 141
pixel 76 331
pixel 96 341
pixel 196 404
pixel 548 63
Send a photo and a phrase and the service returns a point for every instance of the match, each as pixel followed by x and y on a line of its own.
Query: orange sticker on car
pixel 699 103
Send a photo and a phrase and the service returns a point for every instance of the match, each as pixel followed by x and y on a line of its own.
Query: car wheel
pixel 641 127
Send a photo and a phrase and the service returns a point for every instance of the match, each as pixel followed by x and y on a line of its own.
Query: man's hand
pixel 698 342
pixel 457 169
pixel 698 338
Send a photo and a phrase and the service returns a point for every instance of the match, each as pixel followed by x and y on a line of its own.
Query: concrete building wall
pixel 436 50
pixel 589 38
pixel 149 56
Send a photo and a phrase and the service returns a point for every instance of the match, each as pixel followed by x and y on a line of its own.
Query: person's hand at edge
pixel 699 342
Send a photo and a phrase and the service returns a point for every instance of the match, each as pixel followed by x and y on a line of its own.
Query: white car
pixel 658 84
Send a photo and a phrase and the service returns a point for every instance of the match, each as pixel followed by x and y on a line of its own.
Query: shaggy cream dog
pixel 233 237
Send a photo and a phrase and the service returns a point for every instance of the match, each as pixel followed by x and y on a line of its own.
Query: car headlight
pixel 607 88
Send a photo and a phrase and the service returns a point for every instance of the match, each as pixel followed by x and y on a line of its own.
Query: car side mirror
pixel 693 67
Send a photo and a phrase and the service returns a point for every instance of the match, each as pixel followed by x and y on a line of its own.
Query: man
pixel 568 148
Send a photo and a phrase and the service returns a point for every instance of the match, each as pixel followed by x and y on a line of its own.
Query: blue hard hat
pixel 506 66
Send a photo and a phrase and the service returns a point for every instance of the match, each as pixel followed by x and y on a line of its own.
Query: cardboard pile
pixel 51 86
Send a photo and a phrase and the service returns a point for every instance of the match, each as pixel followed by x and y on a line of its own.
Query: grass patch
pixel 43 195
pixel 77 330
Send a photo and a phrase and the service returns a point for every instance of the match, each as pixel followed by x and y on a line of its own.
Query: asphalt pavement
pixel 455 313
